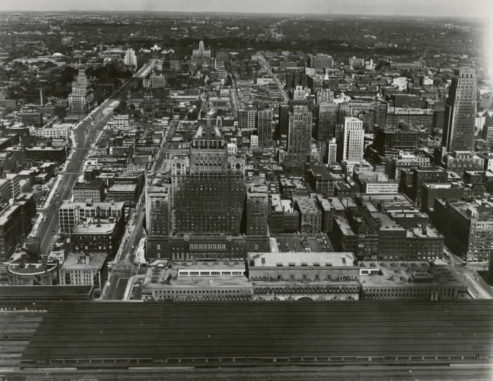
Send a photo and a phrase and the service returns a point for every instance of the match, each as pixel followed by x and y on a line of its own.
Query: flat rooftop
pixel 161 334
pixel 80 261
pixel 299 259
pixel 394 274
pixel 303 243
pixel 122 188
pixel 101 227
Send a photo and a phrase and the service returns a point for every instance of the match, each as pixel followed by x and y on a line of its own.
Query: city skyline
pixel 434 8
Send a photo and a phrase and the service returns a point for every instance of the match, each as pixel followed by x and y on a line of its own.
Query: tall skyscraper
pixel 283 119
pixel 130 58
pixel 257 214
pixel 264 128
pixel 300 133
pixel 327 119
pixel 353 138
pixel 81 98
pixel 201 52
pixel 460 111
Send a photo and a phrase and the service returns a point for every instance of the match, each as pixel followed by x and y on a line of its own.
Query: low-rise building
pixel 97 236
pixel 303 276
pixel 467 227
pixel 32 274
pixel 84 269
pixel 310 214
pixel 84 191
pixel 196 281
pixel 409 281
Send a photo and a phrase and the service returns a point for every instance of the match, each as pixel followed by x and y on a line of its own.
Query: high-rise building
pixel 81 98
pixel 488 126
pixel 208 151
pixel 201 56
pixel 283 119
pixel 332 151
pixel 460 111
pixel 257 214
pixel 327 120
pixel 300 133
pixel 201 52
pixel 247 118
pixel 196 210
pixel 130 58
pixel 264 128
pixel 353 139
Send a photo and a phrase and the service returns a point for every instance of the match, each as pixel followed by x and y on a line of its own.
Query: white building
pixel 253 141
pixel 332 152
pixel 130 58
pixel 353 139
pixel 81 269
pixel 119 122
pixel 231 148
pixel 300 94
pixel 56 131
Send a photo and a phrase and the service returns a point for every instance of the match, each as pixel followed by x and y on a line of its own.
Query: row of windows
pixel 210 273
pixel 200 292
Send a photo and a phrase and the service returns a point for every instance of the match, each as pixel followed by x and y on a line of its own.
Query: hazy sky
pixel 470 8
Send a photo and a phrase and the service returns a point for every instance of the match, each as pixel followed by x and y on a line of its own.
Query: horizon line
pixel 277 14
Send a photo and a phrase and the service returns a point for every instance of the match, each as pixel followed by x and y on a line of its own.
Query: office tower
pixel 353 137
pixel 488 126
pixel 264 128
pixel 130 58
pixel 460 112
pixel 81 98
pixel 327 119
pixel 300 133
pixel 158 216
pixel 283 119
pixel 247 118
pixel 257 214
pixel 332 152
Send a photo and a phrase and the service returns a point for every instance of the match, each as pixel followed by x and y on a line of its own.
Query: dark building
pixel 389 141
pixel 412 181
pixel 467 227
pixel 444 191
pixel 97 236
pixel 283 119
pixel 257 215
pixel 264 128
pixel 300 133
pixel 460 112
pixel 15 224
pixel 202 200
pixel 30 115
pixel 208 203
pixel 326 121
